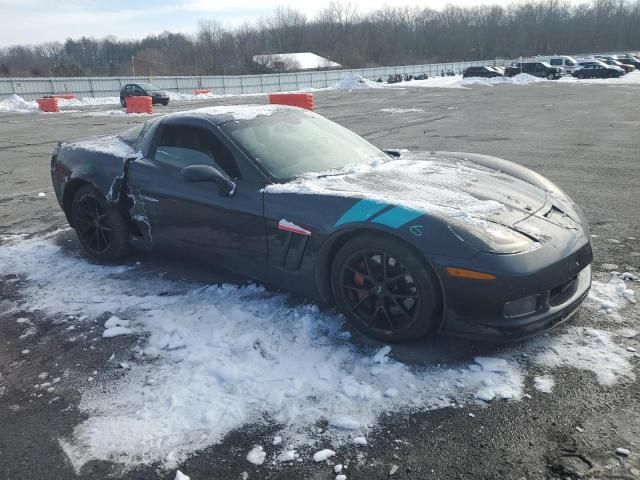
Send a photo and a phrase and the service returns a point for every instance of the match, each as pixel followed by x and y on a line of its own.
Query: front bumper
pixel 477 309
pixel 513 330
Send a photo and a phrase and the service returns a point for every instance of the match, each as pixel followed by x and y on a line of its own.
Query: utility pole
pixel 133 66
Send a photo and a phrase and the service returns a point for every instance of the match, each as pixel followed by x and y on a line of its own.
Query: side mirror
pixel 207 173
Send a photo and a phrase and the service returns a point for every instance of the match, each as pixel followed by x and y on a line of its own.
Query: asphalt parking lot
pixel 583 137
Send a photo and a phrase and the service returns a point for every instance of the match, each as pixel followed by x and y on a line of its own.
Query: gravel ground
pixel 583 137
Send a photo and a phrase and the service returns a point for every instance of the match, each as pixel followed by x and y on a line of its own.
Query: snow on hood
pixel 435 183
pixel 109 144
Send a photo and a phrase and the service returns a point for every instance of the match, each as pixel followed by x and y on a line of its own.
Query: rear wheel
pixel 101 230
pixel 123 102
pixel 384 289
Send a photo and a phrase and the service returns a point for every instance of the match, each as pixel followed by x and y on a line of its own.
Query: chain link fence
pixel 30 88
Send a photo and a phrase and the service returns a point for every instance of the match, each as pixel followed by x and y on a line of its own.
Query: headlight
pixel 491 237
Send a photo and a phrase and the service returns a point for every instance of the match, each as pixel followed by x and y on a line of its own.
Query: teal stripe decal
pixel 396 217
pixel 361 211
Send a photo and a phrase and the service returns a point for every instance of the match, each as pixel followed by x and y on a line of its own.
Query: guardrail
pixel 33 87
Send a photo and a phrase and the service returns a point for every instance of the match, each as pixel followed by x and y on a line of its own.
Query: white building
pixel 291 62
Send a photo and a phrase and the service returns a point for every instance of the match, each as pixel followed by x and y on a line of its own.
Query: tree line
pixel 388 36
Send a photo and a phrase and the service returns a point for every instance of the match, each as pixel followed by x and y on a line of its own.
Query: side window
pixel 137 90
pixel 568 62
pixel 181 147
pixel 556 61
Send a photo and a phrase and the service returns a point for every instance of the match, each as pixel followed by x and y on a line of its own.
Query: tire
pixel 404 307
pixel 551 76
pixel 101 230
pixel 581 76
pixel 123 103
pixel 165 103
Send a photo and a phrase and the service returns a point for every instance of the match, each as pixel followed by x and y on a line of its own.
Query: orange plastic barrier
pixel 66 96
pixel 202 91
pixel 303 100
pixel 139 104
pixel 49 104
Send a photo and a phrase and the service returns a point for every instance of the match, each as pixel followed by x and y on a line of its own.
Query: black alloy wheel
pixel 100 229
pixel 384 290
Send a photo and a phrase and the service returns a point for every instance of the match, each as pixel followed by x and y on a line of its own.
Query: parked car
pixel 563 61
pixel 403 244
pixel 616 63
pixel 628 59
pixel 537 69
pixel 143 90
pixel 597 69
pixel 483 71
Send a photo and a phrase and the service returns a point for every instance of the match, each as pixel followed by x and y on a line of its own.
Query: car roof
pixel 227 113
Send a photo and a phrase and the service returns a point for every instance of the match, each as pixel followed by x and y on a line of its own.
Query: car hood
pixel 445 184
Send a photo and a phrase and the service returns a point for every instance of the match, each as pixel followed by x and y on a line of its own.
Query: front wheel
pixel 581 76
pixel 101 230
pixel 123 103
pixel 384 289
pixel 551 76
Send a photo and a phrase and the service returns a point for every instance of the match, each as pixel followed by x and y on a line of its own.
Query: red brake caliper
pixel 358 279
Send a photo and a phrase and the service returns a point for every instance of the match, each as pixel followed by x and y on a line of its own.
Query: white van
pixel 564 61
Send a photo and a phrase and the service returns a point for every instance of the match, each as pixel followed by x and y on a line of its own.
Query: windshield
pixel 291 143
pixel 149 87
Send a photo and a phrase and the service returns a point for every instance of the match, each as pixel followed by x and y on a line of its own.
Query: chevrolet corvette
pixel 404 244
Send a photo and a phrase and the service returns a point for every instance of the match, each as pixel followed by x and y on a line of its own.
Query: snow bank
pixel 457 81
pixel 356 82
pixel 88 101
pixel 632 78
pixel 17 104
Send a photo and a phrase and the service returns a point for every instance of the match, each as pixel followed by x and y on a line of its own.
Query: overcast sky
pixel 37 21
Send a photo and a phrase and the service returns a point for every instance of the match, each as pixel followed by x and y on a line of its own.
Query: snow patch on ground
pixel 256 455
pixel 610 296
pixel 215 358
pixel 401 110
pixel 587 349
pixel 544 383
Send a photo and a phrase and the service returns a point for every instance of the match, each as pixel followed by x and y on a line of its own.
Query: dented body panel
pixel 289 239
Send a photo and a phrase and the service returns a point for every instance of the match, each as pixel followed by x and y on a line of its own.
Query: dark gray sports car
pixel 404 244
